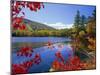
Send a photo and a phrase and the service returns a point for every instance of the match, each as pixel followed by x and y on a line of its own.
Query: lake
pixel 47 54
pixel 40 39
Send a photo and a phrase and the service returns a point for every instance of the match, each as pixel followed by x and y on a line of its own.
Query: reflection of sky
pixel 47 57
pixel 58 13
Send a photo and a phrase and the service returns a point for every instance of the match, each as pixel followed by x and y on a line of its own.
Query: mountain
pixel 36 25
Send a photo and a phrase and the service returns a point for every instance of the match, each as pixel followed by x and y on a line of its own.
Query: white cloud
pixel 59 25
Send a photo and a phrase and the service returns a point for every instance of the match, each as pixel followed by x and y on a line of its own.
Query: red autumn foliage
pixel 17 69
pixel 22 27
pixel 50 45
pixel 23 67
pixel 59 56
pixel 25 51
pixel 37 59
pixel 56 65
pixel 17 6
pixel 73 63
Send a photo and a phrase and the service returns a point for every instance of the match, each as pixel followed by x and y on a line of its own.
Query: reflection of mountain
pixel 36 25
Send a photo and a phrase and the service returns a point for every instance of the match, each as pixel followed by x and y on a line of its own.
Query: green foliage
pixel 42 33
pixel 77 19
pixel 82 22
pixel 79 23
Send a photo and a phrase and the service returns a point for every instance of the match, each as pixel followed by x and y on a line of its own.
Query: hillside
pixel 36 25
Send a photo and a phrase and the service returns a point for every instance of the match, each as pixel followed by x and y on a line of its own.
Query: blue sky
pixel 58 15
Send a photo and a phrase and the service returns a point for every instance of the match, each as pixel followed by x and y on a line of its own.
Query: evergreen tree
pixel 77 22
pixel 82 22
pixel 77 19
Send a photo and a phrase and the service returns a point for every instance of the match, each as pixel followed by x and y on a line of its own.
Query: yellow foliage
pixel 81 33
pixel 91 26
pixel 92 45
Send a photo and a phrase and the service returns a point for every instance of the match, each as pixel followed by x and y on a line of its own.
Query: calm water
pixel 47 54
pixel 39 39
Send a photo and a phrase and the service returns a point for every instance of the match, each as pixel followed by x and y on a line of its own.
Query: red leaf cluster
pixel 37 59
pixel 23 67
pixel 73 63
pixel 17 6
pixel 25 51
pixel 18 68
pixel 34 6
pixel 59 56
pixel 17 23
